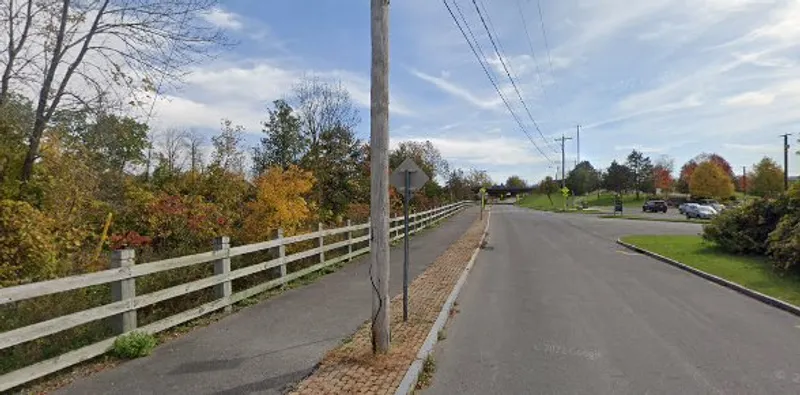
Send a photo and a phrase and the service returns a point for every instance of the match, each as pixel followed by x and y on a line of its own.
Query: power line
pixel 546 44
pixel 510 77
pixel 486 70
pixel 530 45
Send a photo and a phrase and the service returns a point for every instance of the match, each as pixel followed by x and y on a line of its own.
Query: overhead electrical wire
pixel 530 45
pixel 488 73
pixel 544 35
pixel 508 74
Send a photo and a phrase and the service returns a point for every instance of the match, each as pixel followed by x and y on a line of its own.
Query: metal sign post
pixel 406 178
pixel 405 245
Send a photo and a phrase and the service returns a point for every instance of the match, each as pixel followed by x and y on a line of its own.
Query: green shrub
pixel 784 244
pixel 746 230
pixel 134 345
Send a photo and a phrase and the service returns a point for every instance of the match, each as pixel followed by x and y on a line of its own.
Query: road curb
pixel 788 307
pixel 410 378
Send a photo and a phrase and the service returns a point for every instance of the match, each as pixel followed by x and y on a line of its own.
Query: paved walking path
pixel 269 346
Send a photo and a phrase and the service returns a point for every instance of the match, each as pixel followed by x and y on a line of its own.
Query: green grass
pixel 607 200
pixel 752 272
pixel 642 218
pixel 541 202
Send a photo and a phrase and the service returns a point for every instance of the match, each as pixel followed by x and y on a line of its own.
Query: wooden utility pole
pixel 786 161
pixel 379 166
pixel 563 139
pixel 578 140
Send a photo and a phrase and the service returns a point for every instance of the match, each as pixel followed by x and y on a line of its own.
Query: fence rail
pixel 125 303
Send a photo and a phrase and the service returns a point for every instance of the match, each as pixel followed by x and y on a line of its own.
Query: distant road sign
pixel 417 177
pixel 565 191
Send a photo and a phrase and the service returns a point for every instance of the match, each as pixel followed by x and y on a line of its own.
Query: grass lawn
pixel 607 200
pixel 750 271
pixel 642 218
pixel 541 202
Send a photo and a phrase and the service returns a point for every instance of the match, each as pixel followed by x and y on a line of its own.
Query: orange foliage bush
pixel 280 203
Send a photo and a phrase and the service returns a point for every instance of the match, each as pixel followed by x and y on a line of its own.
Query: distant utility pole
pixel 563 139
pixel 579 144
pixel 786 161
pixel 379 185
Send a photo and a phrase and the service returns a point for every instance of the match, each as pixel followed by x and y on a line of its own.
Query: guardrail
pixel 122 278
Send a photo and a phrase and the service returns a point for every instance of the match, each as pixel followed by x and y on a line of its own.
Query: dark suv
pixel 654 206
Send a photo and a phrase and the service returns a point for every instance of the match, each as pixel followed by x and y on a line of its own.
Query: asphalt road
pixel 266 348
pixel 553 306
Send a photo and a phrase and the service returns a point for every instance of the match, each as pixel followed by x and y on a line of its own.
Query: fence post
pixel 123 290
pixel 349 242
pixel 282 254
pixel 223 266
pixel 321 244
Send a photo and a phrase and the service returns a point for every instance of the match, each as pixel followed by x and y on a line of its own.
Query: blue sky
pixel 667 77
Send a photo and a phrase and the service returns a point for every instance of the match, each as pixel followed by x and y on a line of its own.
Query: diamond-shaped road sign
pixel 417 178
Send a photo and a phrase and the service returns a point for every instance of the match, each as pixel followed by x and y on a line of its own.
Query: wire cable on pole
pixel 488 74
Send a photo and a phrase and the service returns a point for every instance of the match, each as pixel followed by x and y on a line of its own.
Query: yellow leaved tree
pixel 280 203
pixel 709 180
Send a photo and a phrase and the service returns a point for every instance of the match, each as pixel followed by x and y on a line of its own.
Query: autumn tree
pixel 279 203
pixel 98 53
pixel 548 187
pixel 16 119
pixel 662 173
pixel 766 179
pixel 283 144
pixel 709 180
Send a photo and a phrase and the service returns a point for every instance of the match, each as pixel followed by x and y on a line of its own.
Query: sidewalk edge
pixel 410 378
pixel 788 307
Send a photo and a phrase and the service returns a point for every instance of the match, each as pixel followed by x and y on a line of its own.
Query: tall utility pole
pixel 563 139
pixel 786 161
pixel 579 144
pixel 379 185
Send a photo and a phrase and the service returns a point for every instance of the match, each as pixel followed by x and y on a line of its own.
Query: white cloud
pixel 640 148
pixel 764 149
pixel 483 151
pixel 749 99
pixel 242 90
pixel 223 19
pixel 458 91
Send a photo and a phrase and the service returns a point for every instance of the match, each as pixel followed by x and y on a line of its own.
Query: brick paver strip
pixel 352 369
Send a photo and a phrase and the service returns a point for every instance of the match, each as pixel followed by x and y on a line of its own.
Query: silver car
pixel 694 210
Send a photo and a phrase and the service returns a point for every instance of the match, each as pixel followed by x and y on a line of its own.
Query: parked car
pixel 694 210
pixel 654 206
pixel 682 207
pixel 717 206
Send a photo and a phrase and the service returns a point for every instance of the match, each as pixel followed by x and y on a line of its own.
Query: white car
pixel 694 210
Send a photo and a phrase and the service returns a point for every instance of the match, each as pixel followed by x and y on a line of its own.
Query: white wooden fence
pixel 123 273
